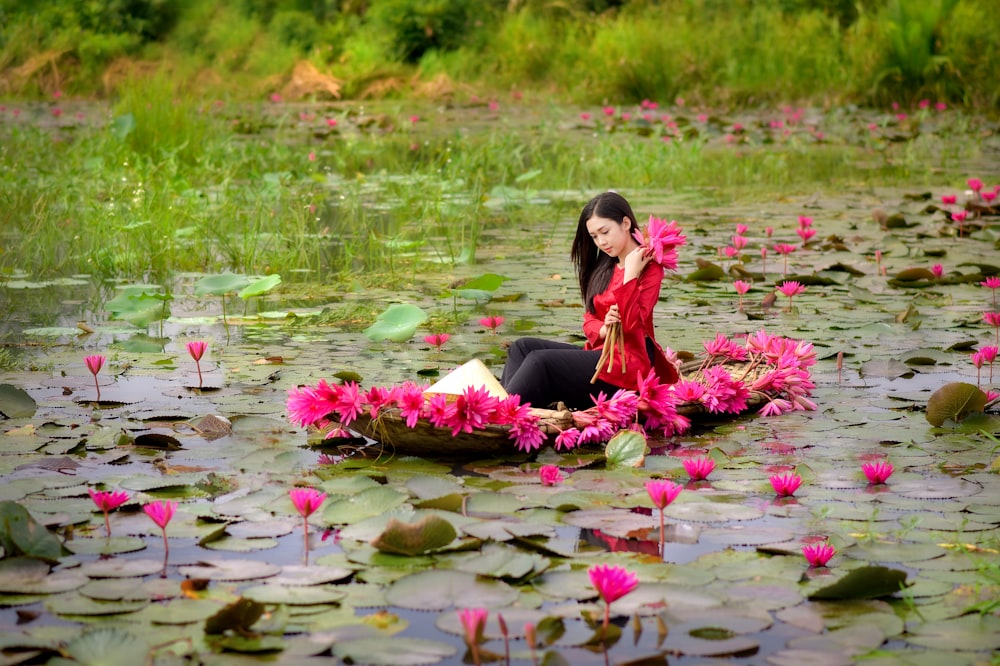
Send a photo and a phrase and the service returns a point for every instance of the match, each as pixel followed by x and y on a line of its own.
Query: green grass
pixel 173 184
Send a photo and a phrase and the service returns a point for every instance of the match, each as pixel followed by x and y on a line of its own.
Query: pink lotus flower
pixel 699 468
pixel 791 288
pixel 94 364
pixel 663 239
pixel 160 512
pixel 785 485
pixel 306 501
pixel 975 185
pixel 877 473
pixel 937 270
pixel 805 233
pixel 197 349
pixel 784 249
pixel 993 319
pixel 492 323
pixel 741 288
pixel 584 116
pixel 108 501
pixel 949 199
pixel 663 492
pixel 988 197
pixel 818 554
pixel 473 623
pixel 437 339
pixel 805 221
pixel 567 439
pixel 550 475
pixel 612 582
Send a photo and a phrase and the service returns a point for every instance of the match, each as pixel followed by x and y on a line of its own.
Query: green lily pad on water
pixel 105 546
pixel 439 589
pixel 969 632
pixel 398 323
pixel 420 538
pixel 181 611
pixel 298 595
pixel 105 646
pixel 393 651
pixel 230 570
pixel 863 583
pixel 15 403
pixel 953 402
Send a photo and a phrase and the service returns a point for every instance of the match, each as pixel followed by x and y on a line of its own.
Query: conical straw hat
pixel 473 374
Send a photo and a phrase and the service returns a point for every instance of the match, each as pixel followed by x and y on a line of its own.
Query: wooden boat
pixel 394 436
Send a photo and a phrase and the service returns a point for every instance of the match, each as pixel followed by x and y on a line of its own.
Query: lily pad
pixel 233 570
pixel 424 536
pixel 15 403
pixel 393 651
pixel 107 646
pixel 438 590
pixel 863 583
pixel 954 401
pixel 398 323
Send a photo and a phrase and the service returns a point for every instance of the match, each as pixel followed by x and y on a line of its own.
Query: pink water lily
pixel 784 249
pixel 993 319
pixel 161 512
pixel 791 288
pixel 94 364
pixel 196 349
pixel 662 239
pixel 699 468
pixel 785 485
pixel 818 554
pixel 437 339
pixel 662 493
pixel 473 623
pixel 108 501
pixel 612 582
pixel 992 283
pixel 492 323
pixel 877 473
pixel 550 475
pixel 306 501
pixel 741 288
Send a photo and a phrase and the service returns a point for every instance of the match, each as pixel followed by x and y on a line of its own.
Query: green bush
pixel 418 26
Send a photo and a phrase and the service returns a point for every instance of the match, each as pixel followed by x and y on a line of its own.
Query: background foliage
pixel 731 52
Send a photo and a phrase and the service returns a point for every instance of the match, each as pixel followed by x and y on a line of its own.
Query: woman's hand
pixel 635 262
pixel 613 317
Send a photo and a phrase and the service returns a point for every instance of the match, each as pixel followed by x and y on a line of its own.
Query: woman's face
pixel 610 237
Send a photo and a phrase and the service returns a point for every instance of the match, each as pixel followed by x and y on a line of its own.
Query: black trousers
pixel 544 372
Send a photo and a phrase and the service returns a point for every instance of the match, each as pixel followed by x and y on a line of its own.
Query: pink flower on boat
pixel 663 492
pixel 818 554
pixel 877 473
pixel 411 402
pixel 472 410
pixel 378 397
pixel 440 411
pixel 550 475
pixel 306 500
pixel 699 468
pixel 785 485
pixel 492 323
pixel 567 439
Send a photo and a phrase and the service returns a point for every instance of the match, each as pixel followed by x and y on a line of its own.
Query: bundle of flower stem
pixel 608 351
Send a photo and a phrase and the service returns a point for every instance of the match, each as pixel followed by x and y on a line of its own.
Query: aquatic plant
pixel 741 288
pixel 108 501
pixel 662 492
pixel 94 364
pixel 161 512
pixel 306 502
pixel 877 473
pixel 492 323
pixel 699 468
pixel 791 288
pixel 550 475
pixel 785 485
pixel 473 623
pixel 196 349
pixel 818 553
pixel 438 340
pixel 612 582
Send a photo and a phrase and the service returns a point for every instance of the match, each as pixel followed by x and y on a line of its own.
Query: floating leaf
pixel 108 646
pixel 220 285
pixel 139 305
pixel 260 287
pixel 393 651
pixel 864 583
pixel 398 323
pixel 15 403
pixel 626 449
pixel 420 538
pixel 20 534
pixel 439 589
pixel 238 616
pixel 954 401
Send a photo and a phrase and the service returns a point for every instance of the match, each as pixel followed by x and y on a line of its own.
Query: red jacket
pixel 636 300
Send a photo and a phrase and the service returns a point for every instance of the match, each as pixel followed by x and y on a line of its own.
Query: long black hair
pixel 593 267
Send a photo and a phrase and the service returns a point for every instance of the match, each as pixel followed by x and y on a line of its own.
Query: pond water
pixel 731 582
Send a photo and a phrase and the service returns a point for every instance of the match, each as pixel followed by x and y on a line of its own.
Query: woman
pixel 620 284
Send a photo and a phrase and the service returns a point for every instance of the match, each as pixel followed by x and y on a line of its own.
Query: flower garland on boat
pixel 772 371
